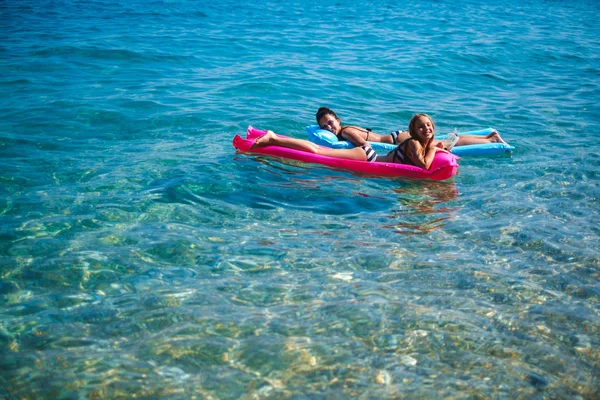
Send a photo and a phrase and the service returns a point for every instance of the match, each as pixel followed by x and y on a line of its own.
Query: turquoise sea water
pixel 140 256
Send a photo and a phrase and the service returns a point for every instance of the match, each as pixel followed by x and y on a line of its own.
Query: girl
pixel 328 120
pixel 418 149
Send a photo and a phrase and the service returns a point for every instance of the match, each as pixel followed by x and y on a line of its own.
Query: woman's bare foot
pixel 495 138
pixel 263 140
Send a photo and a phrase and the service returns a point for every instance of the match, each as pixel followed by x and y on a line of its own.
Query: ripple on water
pixel 142 257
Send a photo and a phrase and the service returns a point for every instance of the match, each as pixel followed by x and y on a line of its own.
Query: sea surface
pixel 141 257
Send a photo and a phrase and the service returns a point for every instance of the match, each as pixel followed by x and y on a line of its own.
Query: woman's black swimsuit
pixel 394 134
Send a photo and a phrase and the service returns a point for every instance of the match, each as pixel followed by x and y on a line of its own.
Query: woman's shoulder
pixel 353 127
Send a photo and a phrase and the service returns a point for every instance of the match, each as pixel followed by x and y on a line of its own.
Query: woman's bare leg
pixel 494 137
pixel 271 139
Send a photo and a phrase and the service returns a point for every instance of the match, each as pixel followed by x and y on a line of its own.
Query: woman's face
pixel 424 129
pixel 330 123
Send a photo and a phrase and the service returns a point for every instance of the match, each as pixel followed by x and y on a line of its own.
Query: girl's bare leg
pixel 271 139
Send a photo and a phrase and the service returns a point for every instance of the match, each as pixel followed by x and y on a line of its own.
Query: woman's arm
pixel 354 135
pixel 358 136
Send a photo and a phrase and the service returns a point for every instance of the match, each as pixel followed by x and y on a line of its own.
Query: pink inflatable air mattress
pixel 444 165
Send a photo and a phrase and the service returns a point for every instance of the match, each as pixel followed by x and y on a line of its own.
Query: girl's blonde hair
pixel 412 130
pixel 413 121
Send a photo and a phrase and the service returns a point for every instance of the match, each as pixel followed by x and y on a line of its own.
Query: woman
pixel 417 149
pixel 328 120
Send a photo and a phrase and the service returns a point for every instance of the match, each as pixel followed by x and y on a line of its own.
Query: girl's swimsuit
pixel 371 155
pixel 400 155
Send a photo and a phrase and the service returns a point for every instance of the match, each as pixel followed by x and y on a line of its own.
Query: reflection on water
pixel 418 200
pixel 140 256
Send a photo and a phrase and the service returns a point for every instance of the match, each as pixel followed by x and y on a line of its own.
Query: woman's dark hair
pixel 324 111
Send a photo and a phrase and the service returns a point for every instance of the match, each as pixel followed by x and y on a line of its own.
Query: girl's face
pixel 424 129
pixel 330 123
